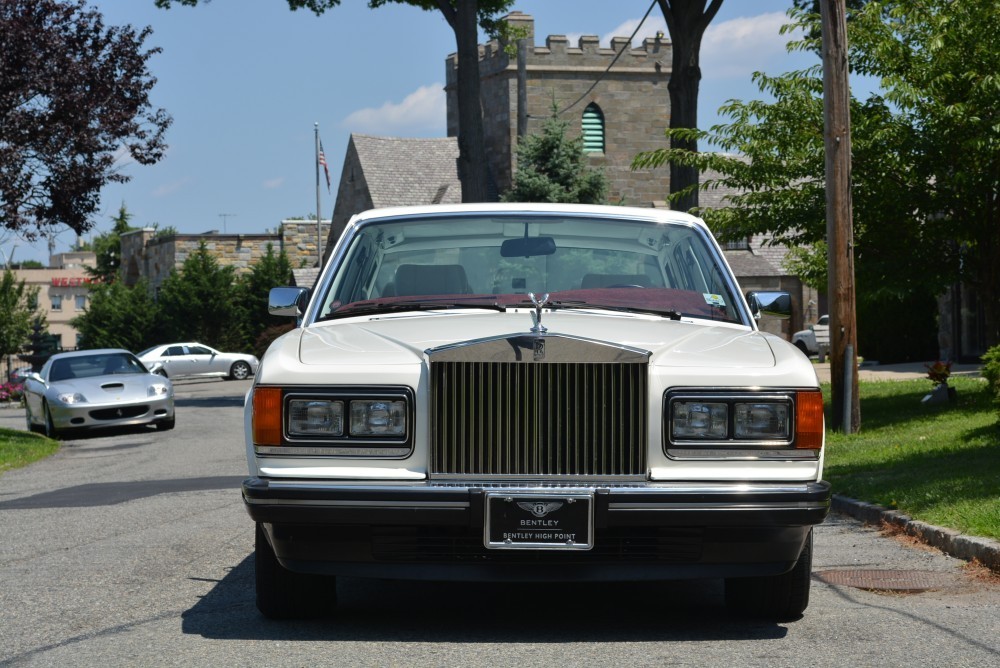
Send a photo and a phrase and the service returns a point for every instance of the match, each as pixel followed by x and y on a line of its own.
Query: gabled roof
pixel 405 171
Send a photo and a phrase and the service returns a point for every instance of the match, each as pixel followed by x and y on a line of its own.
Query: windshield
pixel 100 364
pixel 495 261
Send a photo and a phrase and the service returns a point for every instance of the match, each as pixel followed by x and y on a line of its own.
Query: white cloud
pixel 421 111
pixel 170 188
pixel 738 47
pixel 271 184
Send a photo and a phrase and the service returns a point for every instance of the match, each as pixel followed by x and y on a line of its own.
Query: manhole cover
pixel 888 580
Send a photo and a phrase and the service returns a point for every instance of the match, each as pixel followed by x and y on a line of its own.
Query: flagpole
pixel 319 219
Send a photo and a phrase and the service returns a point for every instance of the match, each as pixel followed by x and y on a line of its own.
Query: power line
pixel 628 45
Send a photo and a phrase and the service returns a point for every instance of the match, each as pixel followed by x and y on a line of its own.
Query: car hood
pixel 399 340
pixel 98 389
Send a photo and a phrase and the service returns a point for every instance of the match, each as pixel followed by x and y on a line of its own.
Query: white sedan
pixel 196 360
pixel 87 389
pixel 534 393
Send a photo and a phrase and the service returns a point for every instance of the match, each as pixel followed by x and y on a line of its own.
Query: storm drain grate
pixel 888 580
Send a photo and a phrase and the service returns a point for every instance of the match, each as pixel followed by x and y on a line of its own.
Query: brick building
pixel 63 292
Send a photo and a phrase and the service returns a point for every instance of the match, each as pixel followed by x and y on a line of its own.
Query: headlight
pixel 362 421
pixel 375 417
pixel 158 390
pixel 716 424
pixel 71 398
pixel 699 419
pixel 315 417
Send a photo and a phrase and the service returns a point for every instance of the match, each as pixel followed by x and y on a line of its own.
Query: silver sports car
pixel 96 388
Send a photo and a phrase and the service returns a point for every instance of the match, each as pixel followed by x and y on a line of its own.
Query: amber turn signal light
pixel 267 416
pixel 809 420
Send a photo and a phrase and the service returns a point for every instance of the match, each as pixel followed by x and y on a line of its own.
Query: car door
pixel 201 359
pixel 175 362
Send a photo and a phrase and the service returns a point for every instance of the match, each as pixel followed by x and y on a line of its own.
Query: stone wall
pixel 154 257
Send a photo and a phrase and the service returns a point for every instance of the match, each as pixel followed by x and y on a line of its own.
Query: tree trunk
pixel 685 80
pixel 686 20
pixel 473 169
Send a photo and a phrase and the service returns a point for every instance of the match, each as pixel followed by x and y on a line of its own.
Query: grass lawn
pixel 936 463
pixel 20 448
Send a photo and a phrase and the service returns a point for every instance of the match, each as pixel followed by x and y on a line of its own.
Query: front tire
pixel 50 427
pixel 166 425
pixel 285 594
pixel 801 346
pixel 239 371
pixel 776 597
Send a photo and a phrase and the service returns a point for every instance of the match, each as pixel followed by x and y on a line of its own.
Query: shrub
pixel 991 372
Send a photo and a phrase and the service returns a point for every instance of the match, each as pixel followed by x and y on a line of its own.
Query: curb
pixel 954 543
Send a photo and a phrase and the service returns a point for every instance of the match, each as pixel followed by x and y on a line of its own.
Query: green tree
pixel 73 93
pixel 119 316
pixel 271 271
pixel 108 249
pixel 926 154
pixel 200 303
pixel 17 313
pixel 464 17
pixel 552 167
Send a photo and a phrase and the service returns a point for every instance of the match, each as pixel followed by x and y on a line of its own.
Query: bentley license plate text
pixel 539 521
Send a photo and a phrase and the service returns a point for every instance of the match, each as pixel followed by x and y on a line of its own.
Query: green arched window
pixel 593 129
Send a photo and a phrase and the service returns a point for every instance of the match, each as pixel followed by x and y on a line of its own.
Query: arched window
pixel 593 129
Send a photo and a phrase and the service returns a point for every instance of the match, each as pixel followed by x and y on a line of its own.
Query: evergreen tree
pixel 271 271
pixel 551 167
pixel 108 249
pixel 200 303
pixel 119 316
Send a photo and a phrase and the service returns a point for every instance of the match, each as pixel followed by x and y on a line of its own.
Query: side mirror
pixel 35 376
pixel 288 301
pixel 155 367
pixel 771 304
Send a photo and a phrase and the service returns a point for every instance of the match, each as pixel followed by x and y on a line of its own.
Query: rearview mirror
pixel 528 247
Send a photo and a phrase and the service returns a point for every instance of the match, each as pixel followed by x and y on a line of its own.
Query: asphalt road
pixel 133 549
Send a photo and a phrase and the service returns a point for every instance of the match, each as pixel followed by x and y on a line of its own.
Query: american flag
pixel 326 170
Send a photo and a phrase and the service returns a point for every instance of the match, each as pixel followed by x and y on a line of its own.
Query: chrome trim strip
pixel 521 347
pixel 408 505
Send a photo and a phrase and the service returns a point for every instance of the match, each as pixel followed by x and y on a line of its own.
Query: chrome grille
pixel 523 419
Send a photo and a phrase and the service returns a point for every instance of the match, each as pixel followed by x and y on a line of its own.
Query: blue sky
pixel 246 80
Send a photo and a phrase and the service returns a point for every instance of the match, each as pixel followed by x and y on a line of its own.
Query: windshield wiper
pixel 576 304
pixel 423 304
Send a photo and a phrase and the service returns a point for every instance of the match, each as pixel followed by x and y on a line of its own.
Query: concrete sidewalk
pixel 896 371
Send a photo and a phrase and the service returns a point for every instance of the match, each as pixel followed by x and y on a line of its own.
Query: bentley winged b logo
pixel 539 305
pixel 539 508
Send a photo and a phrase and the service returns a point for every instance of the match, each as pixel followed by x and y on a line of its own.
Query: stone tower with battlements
pixel 615 97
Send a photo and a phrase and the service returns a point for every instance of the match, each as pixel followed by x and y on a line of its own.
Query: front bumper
pixel 115 414
pixel 427 530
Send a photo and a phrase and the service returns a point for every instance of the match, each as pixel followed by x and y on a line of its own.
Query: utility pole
pixel 839 217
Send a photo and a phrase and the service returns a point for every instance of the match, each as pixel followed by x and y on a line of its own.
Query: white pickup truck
pixel 814 340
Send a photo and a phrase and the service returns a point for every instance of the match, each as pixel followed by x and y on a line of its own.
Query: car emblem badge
pixel 539 508
pixel 119 412
pixel 539 349
pixel 537 315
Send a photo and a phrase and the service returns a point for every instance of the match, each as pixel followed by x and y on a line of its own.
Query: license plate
pixel 549 521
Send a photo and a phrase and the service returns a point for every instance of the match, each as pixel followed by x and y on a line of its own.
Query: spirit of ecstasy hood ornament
pixel 539 305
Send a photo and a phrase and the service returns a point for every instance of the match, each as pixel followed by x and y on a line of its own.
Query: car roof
pixel 632 212
pixel 86 353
